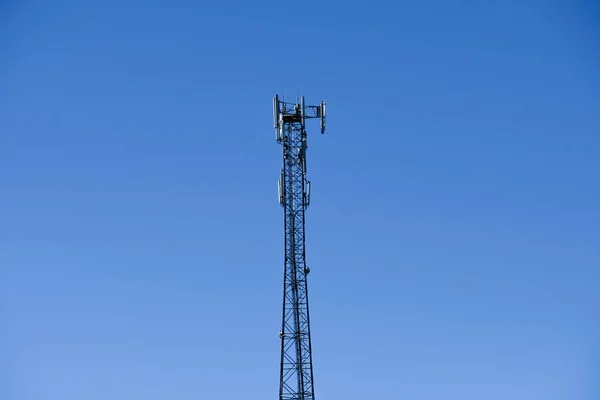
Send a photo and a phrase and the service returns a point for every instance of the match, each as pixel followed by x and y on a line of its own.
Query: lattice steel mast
pixel 296 371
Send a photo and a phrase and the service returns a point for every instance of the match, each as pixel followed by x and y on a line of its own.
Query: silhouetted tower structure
pixel 296 370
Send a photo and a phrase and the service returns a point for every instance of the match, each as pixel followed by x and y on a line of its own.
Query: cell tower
pixel 296 370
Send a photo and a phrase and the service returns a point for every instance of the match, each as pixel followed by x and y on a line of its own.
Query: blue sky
pixel 453 234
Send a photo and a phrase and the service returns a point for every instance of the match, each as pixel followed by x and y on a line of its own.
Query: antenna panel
pixel 275 112
pixel 322 117
pixel 302 111
pixel 280 189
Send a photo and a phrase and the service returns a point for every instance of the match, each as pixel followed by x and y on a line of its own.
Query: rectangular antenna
pixel 302 110
pixel 322 117
pixel 281 189
pixel 276 112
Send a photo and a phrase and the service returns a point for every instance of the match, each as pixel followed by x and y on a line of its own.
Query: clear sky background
pixel 454 231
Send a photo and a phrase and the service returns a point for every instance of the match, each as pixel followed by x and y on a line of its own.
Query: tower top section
pixel 296 112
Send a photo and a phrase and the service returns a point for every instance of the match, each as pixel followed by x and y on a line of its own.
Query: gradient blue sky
pixel 454 232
